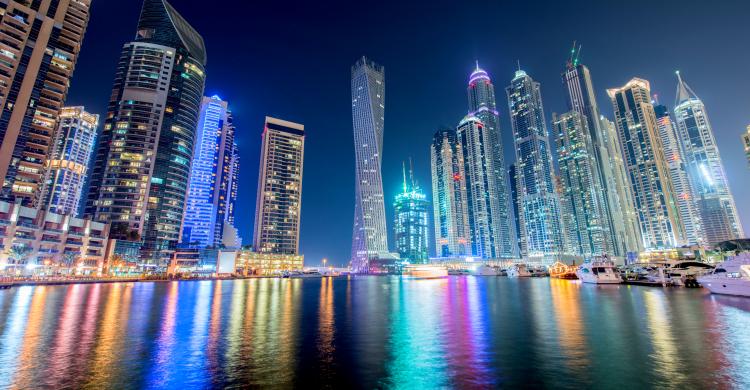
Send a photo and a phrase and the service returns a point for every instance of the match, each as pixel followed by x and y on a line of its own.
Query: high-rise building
pixel 705 168
pixel 581 98
pixel 514 202
pixel 279 206
pixel 449 198
pixel 139 181
pixel 582 201
pixel 370 237
pixel 746 141
pixel 539 208
pixel 39 45
pixel 686 204
pixel 483 204
pixel 210 194
pixel 69 161
pixel 411 224
pixel 630 233
pixel 482 105
pixel 646 165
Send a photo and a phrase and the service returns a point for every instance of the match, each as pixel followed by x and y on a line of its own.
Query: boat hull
pixel 726 286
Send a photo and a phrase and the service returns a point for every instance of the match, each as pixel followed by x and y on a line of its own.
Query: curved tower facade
pixel 370 238
pixel 481 93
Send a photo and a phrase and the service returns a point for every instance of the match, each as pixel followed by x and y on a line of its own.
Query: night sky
pixel 292 60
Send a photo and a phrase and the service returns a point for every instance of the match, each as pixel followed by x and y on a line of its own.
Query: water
pixel 372 332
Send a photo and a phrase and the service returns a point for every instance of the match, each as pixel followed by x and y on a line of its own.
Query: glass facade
pixel 449 196
pixel 539 206
pixel 369 237
pixel 139 180
pixel 411 224
pixel 705 168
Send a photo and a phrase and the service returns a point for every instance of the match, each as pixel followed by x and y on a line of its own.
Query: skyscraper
pixel 207 209
pixel 279 206
pixel 581 98
pixel 585 222
pixel 69 160
pixel 39 45
pixel 539 207
pixel 705 168
pixel 514 202
pixel 411 225
pixel 481 93
pixel 646 165
pixel 449 198
pixel 483 204
pixel 686 204
pixel 369 238
pixel 140 178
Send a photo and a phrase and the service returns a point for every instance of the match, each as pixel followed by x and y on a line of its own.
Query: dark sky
pixel 292 60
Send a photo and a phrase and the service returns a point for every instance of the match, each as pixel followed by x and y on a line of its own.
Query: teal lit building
pixel 411 209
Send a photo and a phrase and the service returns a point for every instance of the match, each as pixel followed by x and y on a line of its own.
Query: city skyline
pixel 405 138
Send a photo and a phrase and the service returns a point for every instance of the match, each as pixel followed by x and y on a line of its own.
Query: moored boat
pixel 561 270
pixel 732 277
pixel 598 272
pixel 486 270
pixel 519 270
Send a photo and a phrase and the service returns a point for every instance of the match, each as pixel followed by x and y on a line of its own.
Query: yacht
pixel 519 271
pixel 302 274
pixel 486 270
pixel 685 272
pixel 732 277
pixel 425 271
pixel 458 272
pixel 561 270
pixel 598 272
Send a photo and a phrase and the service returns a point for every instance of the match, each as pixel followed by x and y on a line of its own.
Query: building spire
pixel 477 62
pixel 684 92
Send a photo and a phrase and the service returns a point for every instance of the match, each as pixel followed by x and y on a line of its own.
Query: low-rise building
pixel 253 263
pixel 40 242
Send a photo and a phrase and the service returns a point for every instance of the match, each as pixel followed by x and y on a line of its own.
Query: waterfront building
pixel 746 141
pixel 69 161
pixel 34 240
pixel 279 203
pixel 370 237
pixel 39 46
pixel 139 180
pixel 686 203
pixel 718 211
pixel 539 208
pixel 482 200
pixel 630 232
pixel 212 174
pixel 582 201
pixel 581 98
pixel 253 263
pixel 411 222
pixel 482 105
pixel 646 165
pixel 513 179
pixel 449 197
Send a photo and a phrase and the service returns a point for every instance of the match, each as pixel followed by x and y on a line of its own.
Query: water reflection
pixel 459 332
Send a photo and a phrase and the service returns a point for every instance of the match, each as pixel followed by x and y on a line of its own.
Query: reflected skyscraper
pixel 39 45
pixel 705 168
pixel 582 201
pixel 139 180
pixel 581 97
pixel 208 212
pixel 686 202
pixel 449 197
pixel 646 165
pixel 369 238
pixel 482 105
pixel 539 207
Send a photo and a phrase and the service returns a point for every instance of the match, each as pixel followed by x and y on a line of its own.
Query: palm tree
pixel 18 253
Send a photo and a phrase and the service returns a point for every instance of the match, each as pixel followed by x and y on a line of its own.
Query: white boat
pixel 682 272
pixel 598 272
pixel 425 271
pixel 519 271
pixel 732 277
pixel 486 270
pixel 458 272
pixel 302 274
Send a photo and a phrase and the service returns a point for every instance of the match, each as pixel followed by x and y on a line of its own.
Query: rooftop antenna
pixel 571 59
pixel 477 62
pixel 578 56
pixel 518 63
pixel 403 169
pixel 411 173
